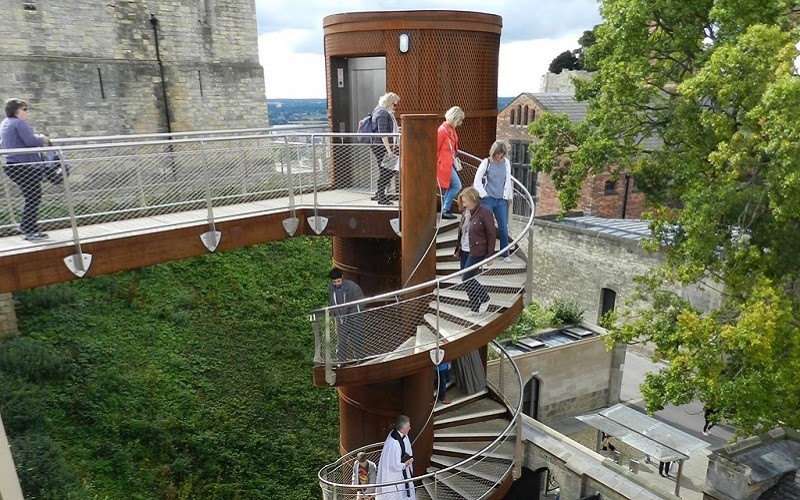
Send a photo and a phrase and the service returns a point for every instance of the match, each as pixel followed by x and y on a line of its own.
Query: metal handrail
pixel 519 188
pixel 174 135
pixel 394 297
pixel 345 490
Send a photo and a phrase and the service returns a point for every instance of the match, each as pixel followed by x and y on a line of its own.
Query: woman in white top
pixel 493 182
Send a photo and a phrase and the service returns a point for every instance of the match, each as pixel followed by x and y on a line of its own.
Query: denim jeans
pixel 475 291
pixel 452 191
pixel 499 208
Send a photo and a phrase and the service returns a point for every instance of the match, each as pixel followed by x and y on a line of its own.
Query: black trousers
pixel 28 176
pixel 384 174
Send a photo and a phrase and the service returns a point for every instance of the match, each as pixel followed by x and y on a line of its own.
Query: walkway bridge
pixel 135 201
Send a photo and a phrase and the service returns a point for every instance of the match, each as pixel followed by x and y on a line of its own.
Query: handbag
pixel 456 162
pixel 54 167
pixel 392 163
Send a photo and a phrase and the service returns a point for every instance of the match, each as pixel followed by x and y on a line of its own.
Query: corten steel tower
pixel 433 60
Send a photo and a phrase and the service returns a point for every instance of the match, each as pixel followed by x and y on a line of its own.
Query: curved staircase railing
pixel 475 438
pixel 383 322
pixel 470 458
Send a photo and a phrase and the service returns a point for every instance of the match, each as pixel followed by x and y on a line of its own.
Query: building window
pixel 610 188
pixel 520 153
pixel 519 114
pixel 513 115
pixel 525 121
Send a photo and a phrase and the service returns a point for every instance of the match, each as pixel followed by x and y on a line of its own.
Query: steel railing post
pixel 79 262
pixel 291 223
pixel 527 299
pixel 330 376
pixel 140 184
pixel 211 237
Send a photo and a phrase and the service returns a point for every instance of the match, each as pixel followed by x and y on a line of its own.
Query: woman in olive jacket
pixel 476 240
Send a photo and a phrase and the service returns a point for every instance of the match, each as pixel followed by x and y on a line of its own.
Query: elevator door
pixel 367 83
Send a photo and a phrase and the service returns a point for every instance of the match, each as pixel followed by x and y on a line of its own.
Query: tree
pixel 574 59
pixel 586 40
pixel 565 60
pixel 700 100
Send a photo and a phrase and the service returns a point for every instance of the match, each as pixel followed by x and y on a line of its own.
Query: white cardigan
pixel 480 181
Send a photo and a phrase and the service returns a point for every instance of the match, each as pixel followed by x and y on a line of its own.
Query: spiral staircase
pixel 133 202
pixel 475 440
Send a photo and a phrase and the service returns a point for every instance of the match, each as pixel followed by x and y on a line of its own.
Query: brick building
pixel 601 195
pixel 90 68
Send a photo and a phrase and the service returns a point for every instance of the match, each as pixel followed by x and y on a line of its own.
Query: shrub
pixel 566 312
pixel 41 469
pixel 22 405
pixel 46 297
pixel 533 317
pixel 31 360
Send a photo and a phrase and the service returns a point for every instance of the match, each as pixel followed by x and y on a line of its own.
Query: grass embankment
pixel 189 380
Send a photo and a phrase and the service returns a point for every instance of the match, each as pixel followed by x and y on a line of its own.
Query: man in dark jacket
pixel 349 319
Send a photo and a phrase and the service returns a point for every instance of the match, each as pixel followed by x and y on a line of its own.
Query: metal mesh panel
pixel 475 476
pixel 452 62
pixel 191 179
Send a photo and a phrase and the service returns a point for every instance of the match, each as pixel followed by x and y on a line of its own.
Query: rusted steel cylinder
pixel 452 60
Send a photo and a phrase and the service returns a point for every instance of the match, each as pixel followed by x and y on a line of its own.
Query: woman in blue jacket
pixel 24 168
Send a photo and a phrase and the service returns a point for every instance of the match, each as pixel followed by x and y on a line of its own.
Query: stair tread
pixel 426 339
pixel 516 264
pixel 498 299
pixel 467 486
pixel 477 467
pixel 480 408
pixel 515 281
pixel 448 329
pixel 453 330
pixel 504 450
pixel 495 426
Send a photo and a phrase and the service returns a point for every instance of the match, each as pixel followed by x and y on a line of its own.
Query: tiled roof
pixel 562 103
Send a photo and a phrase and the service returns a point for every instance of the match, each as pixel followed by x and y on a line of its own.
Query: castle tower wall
pixel 89 68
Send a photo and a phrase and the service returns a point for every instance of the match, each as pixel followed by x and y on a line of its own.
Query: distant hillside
pixel 283 111
pixel 502 102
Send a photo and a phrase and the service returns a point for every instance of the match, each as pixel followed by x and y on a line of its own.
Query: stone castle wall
pixel 89 68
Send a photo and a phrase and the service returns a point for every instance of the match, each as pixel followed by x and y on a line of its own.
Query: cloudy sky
pixel 290 38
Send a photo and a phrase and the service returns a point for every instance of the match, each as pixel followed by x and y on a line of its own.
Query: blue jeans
pixel 475 291
pixel 499 208
pixel 452 191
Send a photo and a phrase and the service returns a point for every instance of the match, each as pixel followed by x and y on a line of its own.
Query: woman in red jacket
pixel 476 240
pixel 446 149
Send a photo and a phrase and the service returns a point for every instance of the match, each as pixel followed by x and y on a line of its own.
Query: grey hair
pixel 498 147
pixel 400 421
pixel 454 116
pixel 387 99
